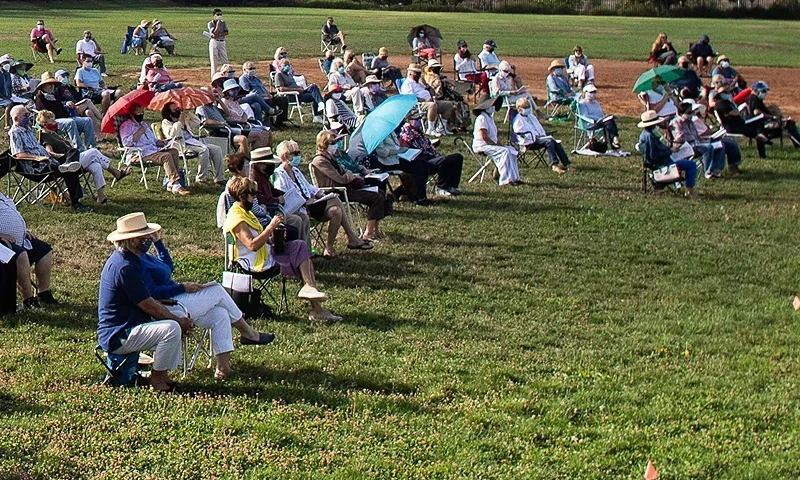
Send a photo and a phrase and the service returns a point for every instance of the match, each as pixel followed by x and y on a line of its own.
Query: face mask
pixel 159 65
pixel 336 96
pixel 339 145
pixel 490 110
pixel 252 72
pixel 332 149
pixel 65 80
pixel 49 96
pixel 88 65
pixel 21 73
pixel 375 88
pixel 53 127
pixel 557 71
pixel 421 35
pixel 287 69
pixel 7 67
pixel 175 115
pixel 247 204
pixel 24 121
pixel 591 95
pixel 39 27
pixel 762 95
pixel 417 124
pixel 157 26
pixel 87 38
pixel 230 74
pixel 725 64
pixel 656 130
pixel 296 160
pixel 217 17
pixel 340 69
pixel 283 55
pixel 139 117
pixel 146 244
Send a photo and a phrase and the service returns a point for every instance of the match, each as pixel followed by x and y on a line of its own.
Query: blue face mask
pixel 25 121
pixel 146 244
pixel 340 69
pixel 65 80
pixel 287 69
pixel 296 160
pixel 421 35
pixel 339 145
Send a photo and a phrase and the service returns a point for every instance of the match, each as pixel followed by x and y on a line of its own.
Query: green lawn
pixel 570 328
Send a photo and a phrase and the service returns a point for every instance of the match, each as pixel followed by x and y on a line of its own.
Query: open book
pixel 409 154
pixel 323 198
pixel 686 151
pixel 379 176
pixel 718 134
pixel 6 254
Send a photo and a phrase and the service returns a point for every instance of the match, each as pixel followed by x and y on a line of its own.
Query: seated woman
pixel 92 160
pixel 280 54
pixel 140 37
pixel 382 69
pixel 684 131
pixel 447 168
pixel 656 154
pixel 160 37
pixel 387 157
pixel 421 45
pixel 238 165
pixel 234 114
pixel 337 111
pixel 75 101
pixel 660 98
pixel 328 173
pixel 484 140
pixel 773 118
pixel 579 68
pixel 20 80
pixel 559 91
pixel 209 305
pixel 469 67
pixel 158 78
pixel 732 151
pixel 730 74
pixel 529 132
pixel 662 52
pixel 354 68
pixel 289 179
pixel 373 93
pixel 253 253
pixel 590 108
pixel 721 100
pixel 339 77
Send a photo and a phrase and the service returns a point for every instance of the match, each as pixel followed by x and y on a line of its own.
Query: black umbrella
pixel 431 33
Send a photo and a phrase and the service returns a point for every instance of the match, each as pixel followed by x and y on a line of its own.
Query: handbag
pixel 240 287
pixel 596 145
pixel 666 174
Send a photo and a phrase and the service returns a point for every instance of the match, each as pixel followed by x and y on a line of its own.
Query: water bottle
pixel 279 239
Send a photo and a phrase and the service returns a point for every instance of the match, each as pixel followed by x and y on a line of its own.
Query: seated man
pixel 160 37
pixel 29 250
pixel 729 73
pixel 135 132
pixel 559 91
pixel 590 108
pixel 213 120
pixel 339 76
pixel 484 140
pixel 689 86
pixel 158 78
pixel 530 133
pixel 285 82
pixel 489 60
pixel 48 97
pixel 373 93
pixel 276 107
pixel 721 100
pixel 381 67
pixel 773 118
pixel 660 98
pixel 413 86
pixel 702 54
pixel 657 155
pixel 35 159
pixel 176 124
pixel 92 85
pixel 325 63
pixel 333 35
pixel 684 131
pixel 7 97
pixel 129 319
pixel 88 46
pixel 42 40
pixel 579 68
pixel 447 168
pixel 73 100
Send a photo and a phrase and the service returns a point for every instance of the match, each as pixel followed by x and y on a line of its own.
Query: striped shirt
pixel 12 223
pixel 23 140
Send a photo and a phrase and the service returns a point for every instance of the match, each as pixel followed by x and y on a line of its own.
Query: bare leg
pixel 307 272
pixel 8 115
pixel 50 51
pixel 372 229
pixel 432 113
pixel 42 270
pixel 245 329
pixel 223 365
pixel 159 380
pixel 334 222
pixel 240 141
pixel 101 194
pixel 24 276
pixel 105 103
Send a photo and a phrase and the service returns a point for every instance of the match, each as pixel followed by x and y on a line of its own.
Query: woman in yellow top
pixel 255 255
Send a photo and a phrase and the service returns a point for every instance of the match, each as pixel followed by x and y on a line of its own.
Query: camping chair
pixel 262 281
pixel 537 151
pixel 481 159
pixel 31 187
pixel 38 55
pixel 352 209
pixel 294 98
pixel 649 185
pixel 329 43
pixel 557 107
pixel 131 156
pixel 584 129
pixel 179 145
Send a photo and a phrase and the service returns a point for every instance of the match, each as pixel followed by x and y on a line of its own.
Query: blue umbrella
pixel 383 120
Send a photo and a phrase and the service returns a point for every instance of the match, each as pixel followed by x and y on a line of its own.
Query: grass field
pixel 570 328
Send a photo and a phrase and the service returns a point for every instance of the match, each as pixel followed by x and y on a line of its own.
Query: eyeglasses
pixel 252 192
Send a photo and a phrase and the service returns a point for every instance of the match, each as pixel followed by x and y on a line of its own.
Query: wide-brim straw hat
pixel 412 67
pixel 155 20
pixel 263 155
pixel 371 79
pixel 144 23
pixel 722 58
pixel 555 64
pixel 132 225
pixel 649 118
pixel 46 80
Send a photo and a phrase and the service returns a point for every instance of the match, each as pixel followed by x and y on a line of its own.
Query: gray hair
pixel 126 244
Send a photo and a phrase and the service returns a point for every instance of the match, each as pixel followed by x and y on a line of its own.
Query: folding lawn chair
pixel 481 159
pixel 262 281
pixel 585 129
pixel 179 145
pixel 295 106
pixel 329 43
pixel 132 156
pixel 536 151
pixel 352 209
pixel 31 187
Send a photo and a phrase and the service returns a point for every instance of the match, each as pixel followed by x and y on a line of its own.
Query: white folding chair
pixel 294 98
pixel 481 160
pixel 352 209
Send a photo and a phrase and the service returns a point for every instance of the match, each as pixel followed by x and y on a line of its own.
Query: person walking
pixel 217 50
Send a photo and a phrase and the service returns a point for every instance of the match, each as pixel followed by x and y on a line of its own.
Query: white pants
pixel 354 95
pixel 95 162
pixel 204 154
pixel 213 309
pixel 582 72
pixel 218 53
pixel 505 158
pixel 161 336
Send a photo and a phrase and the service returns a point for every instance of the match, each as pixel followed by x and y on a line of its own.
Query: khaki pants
pixel 169 160
pixel 218 53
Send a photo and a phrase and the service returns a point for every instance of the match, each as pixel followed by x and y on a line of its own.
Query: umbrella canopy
pixel 668 73
pixel 431 33
pixel 186 98
pixel 382 121
pixel 122 107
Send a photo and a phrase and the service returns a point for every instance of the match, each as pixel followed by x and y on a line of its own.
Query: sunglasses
pixel 296 152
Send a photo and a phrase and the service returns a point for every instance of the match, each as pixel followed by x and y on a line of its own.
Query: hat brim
pixel 650 123
pixel 116 236
pixel 489 102
pixel 50 81
pixel 553 67
pixel 273 161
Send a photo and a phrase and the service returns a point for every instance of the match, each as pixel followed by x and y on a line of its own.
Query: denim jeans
pixel 690 171
pixel 732 151
pixel 713 159
pixel 258 104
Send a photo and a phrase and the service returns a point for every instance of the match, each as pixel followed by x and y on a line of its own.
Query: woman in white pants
pixel 177 123
pixel 485 141
pixel 209 305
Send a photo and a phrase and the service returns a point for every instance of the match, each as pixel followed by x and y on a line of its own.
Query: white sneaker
pixel 317 119
pixel 443 193
pixel 310 293
pixel 433 133
pixel 104 75
pixel 70 167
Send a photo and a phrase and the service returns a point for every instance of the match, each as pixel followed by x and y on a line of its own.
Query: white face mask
pixel 157 26
pixel 88 65
pixel 725 64
pixel 332 149
pixel 218 17
pixel 336 96
pixel 591 95
pixel 252 72
pixel 39 27
pixel 7 67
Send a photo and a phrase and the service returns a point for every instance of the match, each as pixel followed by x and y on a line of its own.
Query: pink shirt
pixel 36 33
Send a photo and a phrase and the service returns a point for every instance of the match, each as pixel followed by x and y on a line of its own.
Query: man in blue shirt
pixel 127 313
pixel 92 86
pixel 253 87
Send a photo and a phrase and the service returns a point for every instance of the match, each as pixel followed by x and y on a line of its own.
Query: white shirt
pixel 464 66
pixel 668 109
pixel 284 183
pixel 483 122
pixel 12 223
pixel 87 47
pixel 411 87
pixel 529 124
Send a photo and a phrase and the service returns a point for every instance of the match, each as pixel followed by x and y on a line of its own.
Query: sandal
pixel 328 254
pixel 364 245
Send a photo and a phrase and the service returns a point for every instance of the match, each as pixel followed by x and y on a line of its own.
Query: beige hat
pixel 412 67
pixel 696 107
pixel 555 64
pixel 47 79
pixel 589 88
pixel 371 79
pixel 722 58
pixel 504 66
pixel 649 118
pixel 433 63
pixel 132 225
pixel 263 155
pixel 144 23
pixel 155 20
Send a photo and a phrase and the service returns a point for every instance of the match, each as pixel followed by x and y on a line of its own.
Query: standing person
pixel 217 50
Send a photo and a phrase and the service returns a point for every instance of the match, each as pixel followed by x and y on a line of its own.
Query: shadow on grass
pixel 12 404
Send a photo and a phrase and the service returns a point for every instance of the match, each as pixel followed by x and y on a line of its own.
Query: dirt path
pixel 614 80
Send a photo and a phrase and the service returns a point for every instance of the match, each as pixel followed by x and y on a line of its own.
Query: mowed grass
pixel 569 328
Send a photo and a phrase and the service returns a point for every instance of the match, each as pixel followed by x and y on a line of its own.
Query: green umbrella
pixel 668 73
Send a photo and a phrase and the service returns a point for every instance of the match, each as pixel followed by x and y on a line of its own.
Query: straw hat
pixel 155 20
pixel 722 58
pixel 144 23
pixel 229 84
pixel 433 63
pixel 131 226
pixel 649 118
pixel 263 155
pixel 47 79
pixel 555 64
pixel 371 79
pixel 412 67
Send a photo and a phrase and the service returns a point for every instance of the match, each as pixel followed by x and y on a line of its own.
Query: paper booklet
pixel 324 198
pixel 686 151
pixel 207 34
pixel 6 254
pixel 409 154
pixel 369 189
pixel 718 134
pixel 758 117
pixel 292 201
pixel 379 176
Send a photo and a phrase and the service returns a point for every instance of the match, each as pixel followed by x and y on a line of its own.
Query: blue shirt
pixel 655 153
pixel 252 84
pixel 122 289
pixel 89 77
pixel 728 73
pixel 157 274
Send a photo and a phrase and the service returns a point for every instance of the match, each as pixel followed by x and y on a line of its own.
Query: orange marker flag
pixel 650 472
pixel 796 303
